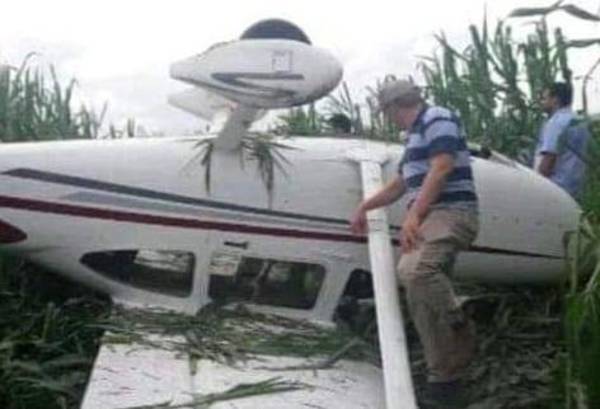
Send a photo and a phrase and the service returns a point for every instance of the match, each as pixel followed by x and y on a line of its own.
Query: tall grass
pixel 365 119
pixel 580 370
pixel 35 106
pixel 46 344
pixel 581 366
pixel 301 121
pixel 495 83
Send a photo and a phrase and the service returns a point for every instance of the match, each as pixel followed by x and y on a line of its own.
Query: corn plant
pixel 261 148
pixel 343 104
pixel 366 120
pixel 46 342
pixel 581 363
pixel 301 121
pixel 495 82
pixel 575 12
pixel 34 107
pixel 46 346
pixel 580 378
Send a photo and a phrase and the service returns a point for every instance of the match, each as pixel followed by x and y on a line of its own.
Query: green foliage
pixel 484 83
pixel 580 369
pixel 301 122
pixel 591 198
pixel 544 11
pixel 34 108
pixel 128 132
pixel 47 345
pixel 259 148
pixel 228 336
pixel 242 390
pixel 578 377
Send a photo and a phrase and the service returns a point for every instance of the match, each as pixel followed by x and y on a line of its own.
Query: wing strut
pixel 399 390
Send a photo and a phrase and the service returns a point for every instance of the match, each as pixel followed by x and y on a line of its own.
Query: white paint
pixel 313 72
pixel 520 212
pixel 132 375
pixel 392 339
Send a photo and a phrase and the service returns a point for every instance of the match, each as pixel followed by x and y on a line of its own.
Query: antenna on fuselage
pixel 273 65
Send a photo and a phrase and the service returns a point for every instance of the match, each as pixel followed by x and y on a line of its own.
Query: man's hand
pixel 358 222
pixel 547 163
pixel 442 165
pixel 410 234
pixel 386 195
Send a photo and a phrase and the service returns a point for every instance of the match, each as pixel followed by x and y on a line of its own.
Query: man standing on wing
pixel 441 219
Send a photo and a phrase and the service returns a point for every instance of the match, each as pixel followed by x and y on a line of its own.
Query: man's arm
pixel 387 195
pixel 441 166
pixel 546 165
pixel 552 132
pixel 444 142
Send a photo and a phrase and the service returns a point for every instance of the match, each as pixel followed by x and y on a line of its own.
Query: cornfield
pixel 495 82
pixel 32 108
pixel 47 345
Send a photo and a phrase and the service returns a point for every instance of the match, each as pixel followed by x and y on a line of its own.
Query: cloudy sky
pixel 120 50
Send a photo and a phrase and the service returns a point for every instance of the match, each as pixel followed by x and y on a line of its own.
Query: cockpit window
pixel 167 272
pixel 279 283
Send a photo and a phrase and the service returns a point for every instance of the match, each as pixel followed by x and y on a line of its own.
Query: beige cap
pixel 401 91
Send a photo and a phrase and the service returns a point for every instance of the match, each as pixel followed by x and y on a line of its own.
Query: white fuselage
pixel 80 197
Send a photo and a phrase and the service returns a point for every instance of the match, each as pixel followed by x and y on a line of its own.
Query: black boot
pixel 445 394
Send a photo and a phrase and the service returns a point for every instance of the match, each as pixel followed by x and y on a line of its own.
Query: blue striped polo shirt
pixel 437 130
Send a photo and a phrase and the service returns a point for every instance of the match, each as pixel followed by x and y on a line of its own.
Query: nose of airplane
pixel 522 210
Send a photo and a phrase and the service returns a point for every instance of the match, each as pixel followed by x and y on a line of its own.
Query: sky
pixel 120 51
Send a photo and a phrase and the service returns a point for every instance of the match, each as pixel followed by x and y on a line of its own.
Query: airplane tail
pixel 272 66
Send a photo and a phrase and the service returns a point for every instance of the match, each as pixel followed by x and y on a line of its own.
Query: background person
pixel 562 141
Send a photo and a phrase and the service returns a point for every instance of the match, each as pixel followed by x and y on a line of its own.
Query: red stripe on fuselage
pixel 130 217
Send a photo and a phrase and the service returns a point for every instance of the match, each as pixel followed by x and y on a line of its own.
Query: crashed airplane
pixel 130 218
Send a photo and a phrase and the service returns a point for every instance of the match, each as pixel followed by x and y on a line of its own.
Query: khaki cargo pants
pixel 448 337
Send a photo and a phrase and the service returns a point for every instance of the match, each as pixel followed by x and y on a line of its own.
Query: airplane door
pixel 287 276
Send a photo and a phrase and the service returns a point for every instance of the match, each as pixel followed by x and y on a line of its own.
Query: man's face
pixel 397 115
pixel 548 102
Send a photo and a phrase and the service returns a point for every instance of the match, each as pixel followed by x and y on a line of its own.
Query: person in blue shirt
pixel 561 151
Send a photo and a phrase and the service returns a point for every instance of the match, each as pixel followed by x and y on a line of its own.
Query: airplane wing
pixel 232 126
pixel 146 369
pixel 229 120
pixel 399 389
pixel 272 66
pixel 201 103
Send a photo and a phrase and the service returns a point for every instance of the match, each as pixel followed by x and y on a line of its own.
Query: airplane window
pixel 356 306
pixel 167 272
pixel 265 281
